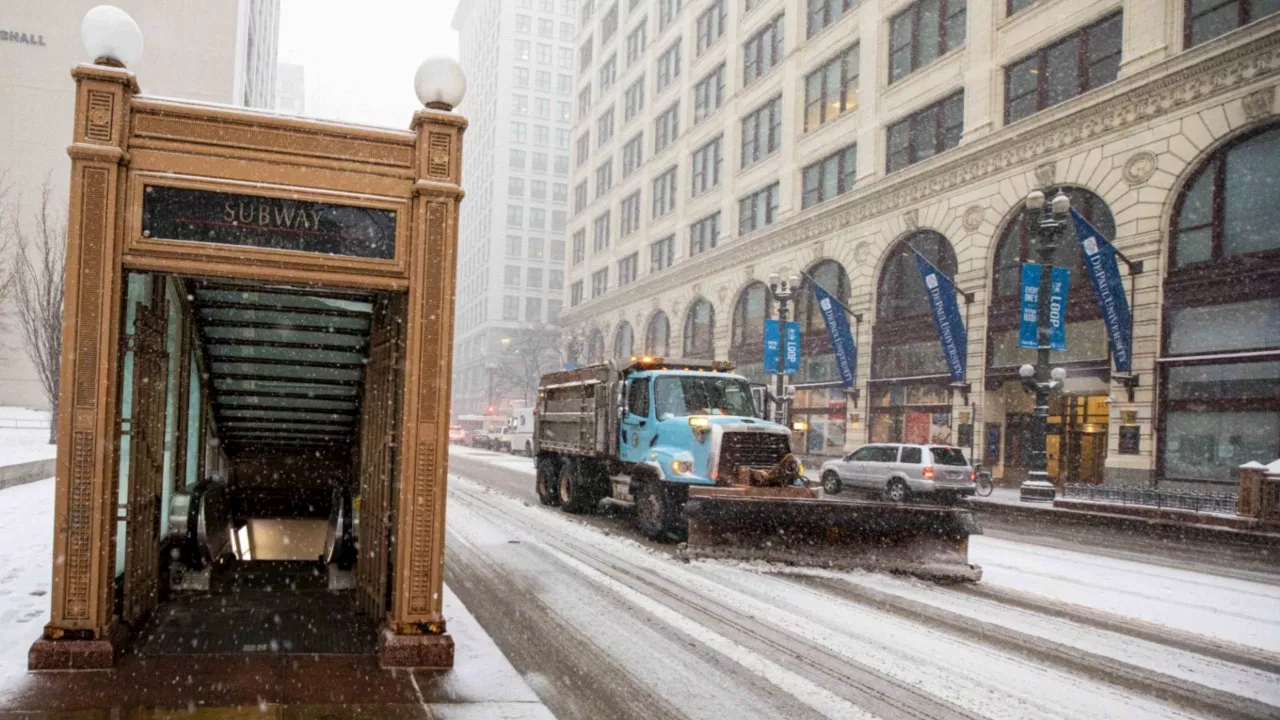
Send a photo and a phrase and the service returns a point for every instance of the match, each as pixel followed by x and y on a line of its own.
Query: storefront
pixel 820 406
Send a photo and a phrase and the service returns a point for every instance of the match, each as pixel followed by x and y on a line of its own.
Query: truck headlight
pixel 682 467
pixel 701 426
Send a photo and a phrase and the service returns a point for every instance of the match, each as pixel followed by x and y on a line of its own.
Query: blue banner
pixel 941 291
pixel 838 332
pixel 1059 286
pixel 791 349
pixel 1030 319
pixel 772 346
pixel 1100 264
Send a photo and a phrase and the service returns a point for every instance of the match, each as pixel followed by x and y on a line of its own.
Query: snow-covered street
pixel 606 624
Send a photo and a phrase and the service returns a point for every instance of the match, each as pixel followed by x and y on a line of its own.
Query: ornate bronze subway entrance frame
pixel 223 194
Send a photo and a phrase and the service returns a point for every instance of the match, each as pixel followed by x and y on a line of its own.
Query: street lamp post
pixel 783 292
pixel 1047 225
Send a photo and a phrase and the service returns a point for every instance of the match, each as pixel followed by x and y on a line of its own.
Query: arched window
pixel 900 292
pixel 700 330
pixel 831 276
pixel 595 347
pixel 1219 374
pixel 624 341
pixel 657 338
pixel 1018 244
pixel 750 312
pixel 1231 206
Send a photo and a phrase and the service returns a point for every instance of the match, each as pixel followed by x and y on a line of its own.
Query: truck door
pixel 637 429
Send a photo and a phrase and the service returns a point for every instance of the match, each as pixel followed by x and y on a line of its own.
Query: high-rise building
pixel 202 52
pixel 518 56
pixel 291 90
pixel 719 141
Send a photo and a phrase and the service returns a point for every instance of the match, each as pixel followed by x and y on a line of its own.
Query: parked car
pixel 477 439
pixel 901 470
pixel 499 440
pixel 457 435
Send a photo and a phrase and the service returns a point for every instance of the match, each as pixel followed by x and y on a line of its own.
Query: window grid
pixel 604 127
pixel 1083 61
pixel 922 33
pixel 627 268
pixel 668 67
pixel 604 177
pixel 666 128
pixel 762 132
pixel 710 26
pixel 579 246
pixel 704 234
pixel 662 253
pixel 708 94
pixel 831 90
pixel 664 192
pixel 637 40
pixel 667 11
pixel 926 132
pixel 762 52
pixel 599 282
pixel 575 294
pixel 706 166
pixel 823 13
pixel 600 232
pixel 629 212
pixel 633 99
pixel 1208 21
pixel 632 154
pixel 758 209
pixel 608 73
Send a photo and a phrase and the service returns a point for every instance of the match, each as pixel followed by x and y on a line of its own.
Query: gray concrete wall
pixel 23 473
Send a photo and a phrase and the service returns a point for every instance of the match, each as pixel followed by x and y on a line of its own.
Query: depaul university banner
pixel 1100 265
pixel 833 315
pixel 941 291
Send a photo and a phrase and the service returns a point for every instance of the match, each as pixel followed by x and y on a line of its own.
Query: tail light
pixel 973 474
pixel 928 472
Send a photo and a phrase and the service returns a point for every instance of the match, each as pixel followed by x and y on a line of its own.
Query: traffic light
pixel 490 409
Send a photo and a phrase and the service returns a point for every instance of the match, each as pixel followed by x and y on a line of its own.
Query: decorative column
pixel 414 633
pixel 83 631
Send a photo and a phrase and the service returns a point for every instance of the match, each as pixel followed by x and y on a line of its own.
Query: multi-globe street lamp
pixel 1047 225
pixel 782 291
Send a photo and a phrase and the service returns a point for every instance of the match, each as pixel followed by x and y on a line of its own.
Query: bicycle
pixel 985 485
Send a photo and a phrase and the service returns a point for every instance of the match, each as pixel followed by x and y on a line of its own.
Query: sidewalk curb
pixel 28 472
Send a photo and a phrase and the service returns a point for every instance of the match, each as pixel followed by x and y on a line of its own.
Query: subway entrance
pixel 263 416
pixel 253 410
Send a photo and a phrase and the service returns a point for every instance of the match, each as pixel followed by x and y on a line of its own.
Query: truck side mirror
pixel 622 412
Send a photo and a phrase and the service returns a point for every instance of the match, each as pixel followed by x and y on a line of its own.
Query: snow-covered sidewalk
pixel 26 549
pixel 24 436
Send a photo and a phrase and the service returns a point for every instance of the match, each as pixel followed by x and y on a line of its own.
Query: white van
pixel 520 431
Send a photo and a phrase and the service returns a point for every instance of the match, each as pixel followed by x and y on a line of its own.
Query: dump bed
pixel 577 412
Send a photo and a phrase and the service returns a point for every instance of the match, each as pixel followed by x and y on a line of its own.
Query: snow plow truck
pixel 680 443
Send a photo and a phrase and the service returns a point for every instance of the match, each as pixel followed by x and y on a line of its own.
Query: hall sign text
pixel 222 218
pixel 14 36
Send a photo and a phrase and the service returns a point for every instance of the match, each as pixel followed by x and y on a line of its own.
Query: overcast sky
pixel 359 56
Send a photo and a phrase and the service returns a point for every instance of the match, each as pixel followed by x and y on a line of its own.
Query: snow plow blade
pixel 790 525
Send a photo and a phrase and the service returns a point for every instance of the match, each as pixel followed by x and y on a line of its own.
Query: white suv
pixel 900 470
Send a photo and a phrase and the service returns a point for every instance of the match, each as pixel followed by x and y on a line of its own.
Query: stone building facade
pixel 1171 151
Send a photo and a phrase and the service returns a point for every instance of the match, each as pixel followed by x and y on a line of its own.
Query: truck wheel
pixel 574 494
pixel 655 511
pixel 831 484
pixel 897 490
pixel 528 448
pixel 546 482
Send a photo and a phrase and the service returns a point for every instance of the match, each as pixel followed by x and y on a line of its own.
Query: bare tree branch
pixel 532 351
pixel 8 260
pixel 39 289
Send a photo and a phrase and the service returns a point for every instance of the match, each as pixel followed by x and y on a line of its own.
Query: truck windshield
pixel 703 395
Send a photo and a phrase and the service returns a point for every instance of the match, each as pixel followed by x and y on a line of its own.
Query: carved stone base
pixel 72 654
pixel 415 651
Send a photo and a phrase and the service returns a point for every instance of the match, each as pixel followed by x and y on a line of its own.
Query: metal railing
pixel 1211 502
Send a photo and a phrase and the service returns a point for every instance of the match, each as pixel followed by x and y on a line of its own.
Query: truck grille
pixel 750 449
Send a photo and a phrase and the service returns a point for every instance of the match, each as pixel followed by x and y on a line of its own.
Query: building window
pixel 926 132
pixel 706 166
pixel 824 12
pixel 539 162
pixel 666 128
pixel 710 26
pixel 584 149
pixel 538 189
pixel 520 77
pixel 831 90
pixel 762 52
pixel 668 67
pixel 564 84
pixel 662 253
pixel 510 307
pixel 632 154
pixel 580 197
pixel 535 248
pixel 524 23
pixel 516 158
pixel 599 282
pixel 1207 19
pixel 600 232
pixel 609 24
pixel 637 39
pixel 923 32
pixel 559 192
pixel 533 278
pixel 624 339
pixel 746 332
pixel 584 56
pixel 562 164
pixel 557 251
pixel 515 216
pixel 542 81
pixel 604 127
pixel 557 220
pixel 566 32
pixel 564 112
pixel 555 279
pixel 627 270
pixel 533 310
pixel 546 28
pixel 762 132
pixel 708 94
pixel 608 73
pixel 700 331
pixel 831 176
pixel 704 234
pixel 1084 61
pixel 664 193
pixel 633 99
pixel 519 104
pixel 537 218
pixel 519 132
pixel 562 138
pixel 515 186
pixel 604 177
pixel 513 246
pixel 542 108
pixel 629 210
pixel 544 53
pixel 541 135
pixel 575 294
pixel 657 337
pixel 758 209
pixel 511 276
pixel 565 58
pixel 584 101
pixel 667 11
pixel 588 7
pixel 579 246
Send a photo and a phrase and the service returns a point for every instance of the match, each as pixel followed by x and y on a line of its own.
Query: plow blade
pixel 788 525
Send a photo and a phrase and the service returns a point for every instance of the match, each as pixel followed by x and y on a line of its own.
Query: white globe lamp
pixel 111 36
pixel 440 83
